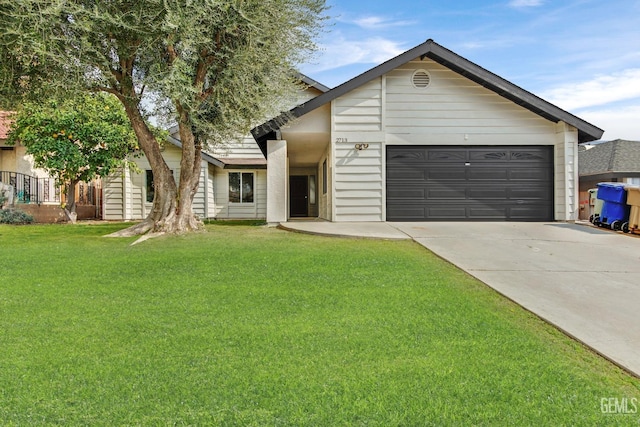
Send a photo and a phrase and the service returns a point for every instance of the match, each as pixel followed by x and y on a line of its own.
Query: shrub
pixel 15 216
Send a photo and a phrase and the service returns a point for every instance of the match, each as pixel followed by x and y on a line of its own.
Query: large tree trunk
pixel 172 210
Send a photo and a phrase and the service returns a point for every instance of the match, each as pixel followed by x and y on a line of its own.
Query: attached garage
pixel 460 183
pixel 431 136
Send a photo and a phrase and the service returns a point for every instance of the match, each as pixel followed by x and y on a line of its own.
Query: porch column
pixel 276 181
pixel 567 188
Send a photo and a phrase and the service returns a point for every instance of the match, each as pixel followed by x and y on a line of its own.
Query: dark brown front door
pixel 299 196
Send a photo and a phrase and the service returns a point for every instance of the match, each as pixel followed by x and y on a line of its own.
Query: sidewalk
pixel 370 230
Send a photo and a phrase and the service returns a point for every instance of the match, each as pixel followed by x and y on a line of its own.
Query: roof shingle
pixel 613 156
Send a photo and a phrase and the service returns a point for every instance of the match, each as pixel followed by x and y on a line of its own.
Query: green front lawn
pixel 252 326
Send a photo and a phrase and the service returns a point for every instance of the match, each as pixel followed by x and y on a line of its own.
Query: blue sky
pixel 582 55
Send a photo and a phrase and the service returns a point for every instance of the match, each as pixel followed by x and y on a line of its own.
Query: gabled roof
pixel 430 49
pixel 312 83
pixel 618 156
pixel 222 162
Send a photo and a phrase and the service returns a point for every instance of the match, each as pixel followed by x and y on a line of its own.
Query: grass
pixel 253 326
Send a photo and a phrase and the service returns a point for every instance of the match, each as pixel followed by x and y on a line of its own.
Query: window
pixel 312 189
pixel 150 187
pixel 324 177
pixel 240 187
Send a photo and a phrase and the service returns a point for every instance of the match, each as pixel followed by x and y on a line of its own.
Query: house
pixel 233 179
pixel 425 136
pixel 14 158
pixel 18 175
pixel 612 161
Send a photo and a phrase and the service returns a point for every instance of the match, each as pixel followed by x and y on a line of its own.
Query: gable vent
pixel 421 79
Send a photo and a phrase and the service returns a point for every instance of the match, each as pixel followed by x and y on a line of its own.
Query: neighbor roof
pixel 430 49
pixel 312 83
pixel 618 156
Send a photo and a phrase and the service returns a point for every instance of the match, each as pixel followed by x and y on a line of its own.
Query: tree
pixel 75 140
pixel 219 67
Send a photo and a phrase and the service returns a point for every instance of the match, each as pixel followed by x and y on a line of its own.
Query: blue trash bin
pixel 615 211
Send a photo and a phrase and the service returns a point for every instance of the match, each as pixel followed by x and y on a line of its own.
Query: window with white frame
pixel 240 187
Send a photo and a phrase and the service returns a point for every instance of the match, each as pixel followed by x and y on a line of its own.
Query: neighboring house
pixel 612 161
pixel 34 189
pixel 427 135
pixel 233 180
pixel 30 184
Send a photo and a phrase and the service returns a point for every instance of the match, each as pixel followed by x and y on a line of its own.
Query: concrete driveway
pixel 584 280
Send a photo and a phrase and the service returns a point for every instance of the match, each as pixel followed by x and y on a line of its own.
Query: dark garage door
pixel 463 183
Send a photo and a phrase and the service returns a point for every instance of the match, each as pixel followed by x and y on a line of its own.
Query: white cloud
pixel 526 3
pixel 341 52
pixel 618 123
pixel 377 22
pixel 601 90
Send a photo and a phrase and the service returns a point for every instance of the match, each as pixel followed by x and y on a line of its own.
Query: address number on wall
pixel 342 140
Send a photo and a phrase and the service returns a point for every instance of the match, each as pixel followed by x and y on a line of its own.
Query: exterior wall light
pixel 361 147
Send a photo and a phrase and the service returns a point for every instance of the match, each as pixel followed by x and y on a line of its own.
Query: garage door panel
pixel 407 155
pixel 488 155
pixel 451 212
pixel 406 174
pixel 541 175
pixel 406 194
pixel 444 155
pixel 487 212
pixel 446 194
pixel 469 183
pixel 528 213
pixel 529 194
pixel 446 174
pixel 488 174
pixel 488 193
pixel 407 213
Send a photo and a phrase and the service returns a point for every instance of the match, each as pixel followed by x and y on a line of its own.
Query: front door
pixel 299 196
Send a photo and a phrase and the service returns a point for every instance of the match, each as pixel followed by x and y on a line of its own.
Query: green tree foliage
pixel 216 68
pixel 78 139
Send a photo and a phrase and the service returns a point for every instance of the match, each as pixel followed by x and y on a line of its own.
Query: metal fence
pixel 31 189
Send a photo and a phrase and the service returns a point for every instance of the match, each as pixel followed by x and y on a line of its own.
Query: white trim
pixel 253 187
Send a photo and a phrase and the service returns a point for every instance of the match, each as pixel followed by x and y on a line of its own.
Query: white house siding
pixel 125 196
pixel 225 210
pixel 451 111
pixel 113 197
pixel 358 174
pixel 454 110
pixel 246 148
pixel 209 191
